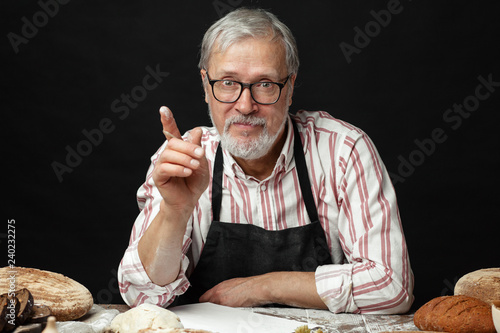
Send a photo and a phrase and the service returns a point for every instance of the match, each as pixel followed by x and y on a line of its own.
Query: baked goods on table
pixel 455 314
pixel 66 298
pixel 483 284
pixel 495 310
pixel 40 294
pixel 468 310
pixel 16 307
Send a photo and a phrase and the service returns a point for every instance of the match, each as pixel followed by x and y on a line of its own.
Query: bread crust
pixel 483 284
pixel 67 299
pixel 455 314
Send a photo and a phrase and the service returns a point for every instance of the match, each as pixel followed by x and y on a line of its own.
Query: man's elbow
pixel 406 290
pixel 401 306
pixel 398 301
pixel 399 298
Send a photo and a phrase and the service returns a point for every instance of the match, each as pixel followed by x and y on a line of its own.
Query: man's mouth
pixel 244 123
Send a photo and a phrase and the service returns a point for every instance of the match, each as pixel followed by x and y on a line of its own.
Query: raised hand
pixel 181 173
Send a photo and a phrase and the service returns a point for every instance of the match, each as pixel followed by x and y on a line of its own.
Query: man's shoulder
pixel 323 122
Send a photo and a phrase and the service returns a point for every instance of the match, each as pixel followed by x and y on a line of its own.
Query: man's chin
pixel 244 147
pixel 243 143
pixel 241 132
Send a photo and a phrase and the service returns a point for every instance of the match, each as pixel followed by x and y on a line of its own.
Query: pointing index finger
pixel 170 129
pixel 168 135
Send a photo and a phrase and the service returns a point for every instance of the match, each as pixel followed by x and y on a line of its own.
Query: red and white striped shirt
pixel 356 205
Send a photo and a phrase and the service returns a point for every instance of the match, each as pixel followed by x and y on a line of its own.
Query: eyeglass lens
pixel 262 92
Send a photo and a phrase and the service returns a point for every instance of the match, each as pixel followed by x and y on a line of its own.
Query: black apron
pixel 240 250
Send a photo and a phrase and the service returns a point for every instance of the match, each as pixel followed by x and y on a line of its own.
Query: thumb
pixel 195 136
pixel 169 125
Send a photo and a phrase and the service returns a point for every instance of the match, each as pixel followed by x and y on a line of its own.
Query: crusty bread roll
pixel 66 298
pixel 483 284
pixel 455 314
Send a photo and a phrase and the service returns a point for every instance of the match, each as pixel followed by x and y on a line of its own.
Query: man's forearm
pixel 160 246
pixel 290 288
pixel 295 289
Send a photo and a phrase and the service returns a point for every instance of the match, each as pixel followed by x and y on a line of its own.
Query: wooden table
pixel 332 323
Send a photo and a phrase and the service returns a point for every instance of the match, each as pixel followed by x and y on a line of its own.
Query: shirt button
pixel 263 187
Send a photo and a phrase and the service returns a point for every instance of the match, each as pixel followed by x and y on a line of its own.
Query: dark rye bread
pixel 455 314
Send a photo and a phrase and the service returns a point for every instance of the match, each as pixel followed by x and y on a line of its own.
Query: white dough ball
pixel 145 316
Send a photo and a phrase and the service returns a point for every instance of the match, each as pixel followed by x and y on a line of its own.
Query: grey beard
pixel 252 148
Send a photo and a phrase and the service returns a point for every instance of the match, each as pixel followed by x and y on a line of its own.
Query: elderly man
pixel 265 207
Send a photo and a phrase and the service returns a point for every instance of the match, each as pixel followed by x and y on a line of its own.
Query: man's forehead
pixel 259 57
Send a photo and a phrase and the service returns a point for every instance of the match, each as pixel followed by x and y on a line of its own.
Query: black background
pixel 64 78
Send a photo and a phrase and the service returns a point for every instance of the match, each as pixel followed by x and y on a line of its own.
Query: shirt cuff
pixel 140 287
pixel 334 286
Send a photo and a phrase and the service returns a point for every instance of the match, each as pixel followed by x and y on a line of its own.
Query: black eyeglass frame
pixel 249 86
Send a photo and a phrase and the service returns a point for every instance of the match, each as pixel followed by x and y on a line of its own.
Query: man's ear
pixel 204 81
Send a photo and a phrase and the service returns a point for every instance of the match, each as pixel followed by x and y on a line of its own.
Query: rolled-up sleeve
pixel 376 277
pixel 135 285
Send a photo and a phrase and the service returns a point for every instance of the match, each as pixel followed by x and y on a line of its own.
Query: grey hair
pixel 244 23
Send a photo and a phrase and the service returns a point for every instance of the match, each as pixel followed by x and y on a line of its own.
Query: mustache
pixel 246 120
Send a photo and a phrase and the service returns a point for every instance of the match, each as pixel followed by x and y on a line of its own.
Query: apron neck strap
pixel 300 164
pixel 217 183
pixel 305 184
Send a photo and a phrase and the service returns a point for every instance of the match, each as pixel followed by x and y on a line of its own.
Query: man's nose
pixel 245 104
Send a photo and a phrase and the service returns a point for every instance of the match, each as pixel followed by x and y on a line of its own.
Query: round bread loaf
pixel 455 314
pixel 483 284
pixel 66 298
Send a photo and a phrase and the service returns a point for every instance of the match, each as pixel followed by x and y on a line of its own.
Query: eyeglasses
pixel 229 91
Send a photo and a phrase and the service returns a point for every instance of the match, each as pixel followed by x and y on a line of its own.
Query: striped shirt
pixel 356 205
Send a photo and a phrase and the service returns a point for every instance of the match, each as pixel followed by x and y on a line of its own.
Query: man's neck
pixel 263 167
